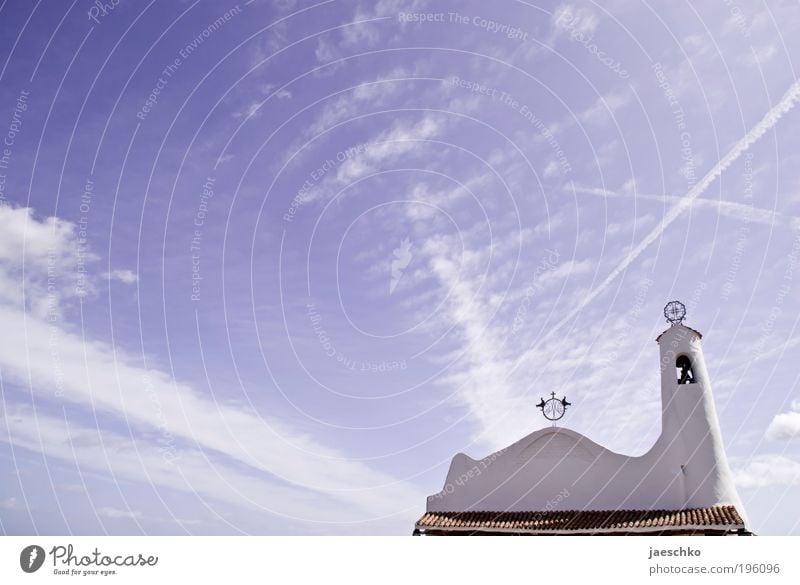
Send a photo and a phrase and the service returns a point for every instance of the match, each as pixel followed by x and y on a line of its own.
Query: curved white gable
pixel 556 468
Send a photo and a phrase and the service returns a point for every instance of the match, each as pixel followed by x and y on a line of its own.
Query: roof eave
pixel 556 532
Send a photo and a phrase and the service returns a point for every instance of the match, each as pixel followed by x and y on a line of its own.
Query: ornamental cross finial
pixel 675 312
pixel 553 408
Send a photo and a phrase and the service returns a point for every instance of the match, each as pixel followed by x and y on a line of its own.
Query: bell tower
pixel 691 441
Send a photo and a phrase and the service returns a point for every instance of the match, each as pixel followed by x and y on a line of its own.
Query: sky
pixel 266 267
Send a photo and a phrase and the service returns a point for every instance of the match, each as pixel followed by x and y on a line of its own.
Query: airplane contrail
pixel 788 101
pixel 731 209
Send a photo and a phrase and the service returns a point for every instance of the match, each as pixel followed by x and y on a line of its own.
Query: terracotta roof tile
pixel 719 517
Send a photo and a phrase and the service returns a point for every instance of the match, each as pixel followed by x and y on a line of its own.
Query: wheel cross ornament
pixel 553 408
pixel 675 312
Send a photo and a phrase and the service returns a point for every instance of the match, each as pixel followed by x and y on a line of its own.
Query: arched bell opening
pixel 684 371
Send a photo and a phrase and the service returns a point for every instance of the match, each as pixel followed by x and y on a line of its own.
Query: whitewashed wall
pixel 555 468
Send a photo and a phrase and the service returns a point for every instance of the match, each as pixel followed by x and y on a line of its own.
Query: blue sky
pixel 266 267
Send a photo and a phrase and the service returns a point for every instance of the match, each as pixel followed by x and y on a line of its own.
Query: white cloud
pixel 607 153
pixel 786 425
pixel 368 16
pixel 383 149
pixel 327 51
pixel 250 111
pixel 11 504
pixel 91 373
pixel 566 270
pixel 363 31
pixel 42 263
pixel 389 145
pixel 363 34
pixel 480 375
pixel 140 460
pixel 499 397
pixel 552 169
pixel 766 470
pixel 124 276
pixel 59 366
pixel 364 97
pixel 760 56
pixel 605 108
pixel 114 513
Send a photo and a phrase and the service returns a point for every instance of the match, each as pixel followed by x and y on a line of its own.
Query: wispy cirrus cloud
pixel 11 503
pixel 125 458
pixel 605 108
pixel 90 374
pixel 124 276
pixel 60 366
pixel 369 94
pixel 116 513
pixel 383 149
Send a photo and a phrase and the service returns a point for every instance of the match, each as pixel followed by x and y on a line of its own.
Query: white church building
pixel 556 481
